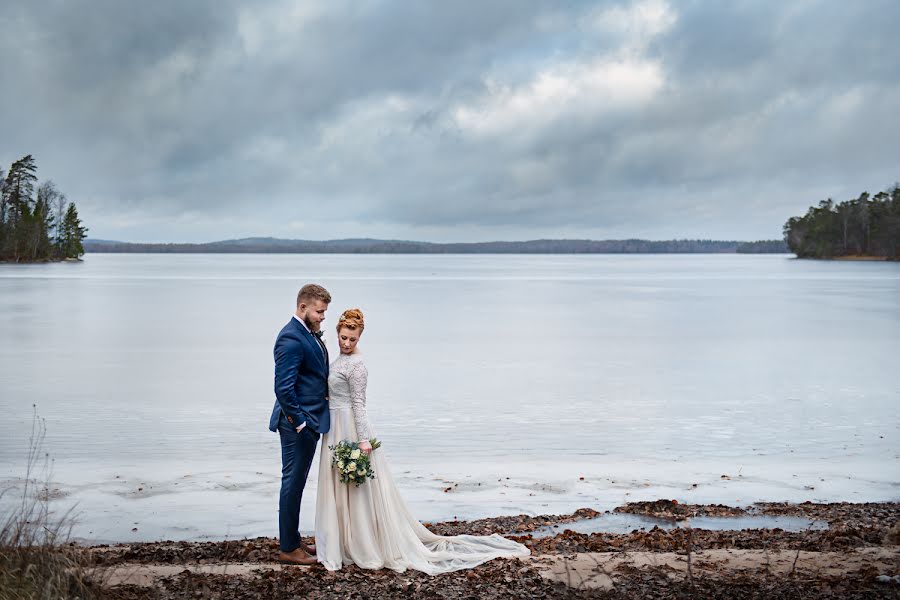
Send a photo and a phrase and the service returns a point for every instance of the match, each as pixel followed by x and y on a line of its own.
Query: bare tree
pixel 44 220
pixel 59 209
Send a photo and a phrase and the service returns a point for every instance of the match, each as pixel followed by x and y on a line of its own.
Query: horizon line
pixel 406 241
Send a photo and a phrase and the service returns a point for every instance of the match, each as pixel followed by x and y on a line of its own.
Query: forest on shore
pixel 37 222
pixel 867 226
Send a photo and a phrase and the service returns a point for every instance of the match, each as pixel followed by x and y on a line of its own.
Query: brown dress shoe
pixel 296 557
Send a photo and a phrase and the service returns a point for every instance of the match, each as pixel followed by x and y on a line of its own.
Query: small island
pixel 37 224
pixel 864 228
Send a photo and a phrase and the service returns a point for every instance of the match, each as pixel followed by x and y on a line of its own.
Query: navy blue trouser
pixel 297 451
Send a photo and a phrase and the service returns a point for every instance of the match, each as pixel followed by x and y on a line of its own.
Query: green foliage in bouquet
pixel 352 464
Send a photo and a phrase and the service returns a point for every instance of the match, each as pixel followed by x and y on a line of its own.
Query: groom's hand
pixel 365 447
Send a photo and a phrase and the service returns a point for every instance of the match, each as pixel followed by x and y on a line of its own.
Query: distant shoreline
pixel 876 258
pixel 373 246
pixel 849 258
pixel 40 261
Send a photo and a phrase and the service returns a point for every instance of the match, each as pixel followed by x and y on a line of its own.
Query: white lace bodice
pixel 371 526
pixel 347 381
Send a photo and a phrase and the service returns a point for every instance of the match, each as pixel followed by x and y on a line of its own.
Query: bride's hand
pixel 365 447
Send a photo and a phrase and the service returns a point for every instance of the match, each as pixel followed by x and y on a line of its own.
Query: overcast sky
pixel 451 121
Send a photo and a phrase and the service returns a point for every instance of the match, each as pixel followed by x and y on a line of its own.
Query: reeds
pixel 36 559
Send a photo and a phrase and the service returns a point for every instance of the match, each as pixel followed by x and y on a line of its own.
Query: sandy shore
pixel 856 556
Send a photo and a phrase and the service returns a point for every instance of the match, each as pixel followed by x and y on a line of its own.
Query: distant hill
pixel 268 245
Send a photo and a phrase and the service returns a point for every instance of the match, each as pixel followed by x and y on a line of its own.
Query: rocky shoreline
pixel 856 556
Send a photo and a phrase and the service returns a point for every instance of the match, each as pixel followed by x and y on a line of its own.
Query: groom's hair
pixel 310 292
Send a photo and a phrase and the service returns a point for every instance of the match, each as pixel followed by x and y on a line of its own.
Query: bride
pixel 370 525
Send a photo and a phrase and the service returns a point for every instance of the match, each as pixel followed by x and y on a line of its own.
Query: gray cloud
pixel 451 121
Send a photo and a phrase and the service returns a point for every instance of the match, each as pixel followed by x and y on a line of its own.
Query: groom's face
pixel 313 314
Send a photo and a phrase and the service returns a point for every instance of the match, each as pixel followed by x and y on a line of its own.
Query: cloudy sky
pixel 451 121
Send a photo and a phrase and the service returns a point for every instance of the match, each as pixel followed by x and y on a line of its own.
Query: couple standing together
pixel 367 525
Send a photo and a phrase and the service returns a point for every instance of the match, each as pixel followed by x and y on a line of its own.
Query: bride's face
pixel 348 339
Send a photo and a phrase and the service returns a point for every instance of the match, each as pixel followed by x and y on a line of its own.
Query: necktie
pixel 318 336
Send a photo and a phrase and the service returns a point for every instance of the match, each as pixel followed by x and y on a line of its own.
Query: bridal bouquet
pixel 351 463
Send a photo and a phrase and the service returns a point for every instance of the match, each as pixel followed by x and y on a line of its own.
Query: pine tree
pixel 73 233
pixel 2 214
pixel 18 207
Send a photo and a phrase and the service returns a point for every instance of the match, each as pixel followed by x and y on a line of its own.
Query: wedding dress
pixel 370 525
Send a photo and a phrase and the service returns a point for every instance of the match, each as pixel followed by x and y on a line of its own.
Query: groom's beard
pixel 310 325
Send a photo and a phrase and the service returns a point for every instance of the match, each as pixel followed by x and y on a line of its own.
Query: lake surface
pixel 498 384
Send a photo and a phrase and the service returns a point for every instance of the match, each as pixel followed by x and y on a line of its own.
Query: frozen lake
pixel 504 380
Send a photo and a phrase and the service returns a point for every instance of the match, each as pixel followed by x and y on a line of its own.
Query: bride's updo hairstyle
pixel 351 319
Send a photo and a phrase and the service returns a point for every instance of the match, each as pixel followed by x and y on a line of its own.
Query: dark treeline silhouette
pixel 763 247
pixel 370 246
pixel 864 226
pixel 36 222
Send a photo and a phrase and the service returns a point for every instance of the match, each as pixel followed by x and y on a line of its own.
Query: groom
pixel 301 412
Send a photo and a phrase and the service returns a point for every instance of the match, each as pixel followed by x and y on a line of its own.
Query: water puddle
pixel 626 523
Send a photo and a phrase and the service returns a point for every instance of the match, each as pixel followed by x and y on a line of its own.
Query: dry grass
pixel 36 560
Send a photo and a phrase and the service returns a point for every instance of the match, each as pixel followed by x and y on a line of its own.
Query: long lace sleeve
pixel 358 377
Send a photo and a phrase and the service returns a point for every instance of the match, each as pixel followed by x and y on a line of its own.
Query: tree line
pixel 763 247
pixel 864 226
pixel 371 246
pixel 37 222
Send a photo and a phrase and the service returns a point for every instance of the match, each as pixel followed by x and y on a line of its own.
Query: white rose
pixel 351 466
pixel 361 472
pixel 355 454
pixel 340 464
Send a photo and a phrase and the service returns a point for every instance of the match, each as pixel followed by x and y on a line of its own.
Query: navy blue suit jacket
pixel 301 380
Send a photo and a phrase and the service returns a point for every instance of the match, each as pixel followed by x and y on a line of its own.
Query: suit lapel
pixel 321 346
pixel 325 351
pixel 318 349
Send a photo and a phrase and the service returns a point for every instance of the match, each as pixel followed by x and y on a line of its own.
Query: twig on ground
pixel 797 555
pixel 689 543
